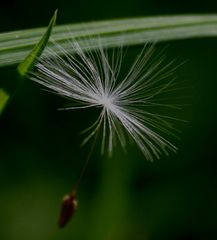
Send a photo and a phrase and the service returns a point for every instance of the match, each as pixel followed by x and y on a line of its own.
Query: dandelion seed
pixel 68 209
pixel 93 79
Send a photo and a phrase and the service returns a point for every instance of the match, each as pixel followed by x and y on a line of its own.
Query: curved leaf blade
pixel 29 61
pixel 15 46
pixel 31 58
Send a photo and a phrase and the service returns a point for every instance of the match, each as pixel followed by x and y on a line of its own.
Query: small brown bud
pixel 68 208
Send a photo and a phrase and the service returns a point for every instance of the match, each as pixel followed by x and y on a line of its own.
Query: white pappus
pixel 94 78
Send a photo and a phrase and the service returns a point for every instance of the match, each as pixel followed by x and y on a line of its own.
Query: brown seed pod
pixel 68 208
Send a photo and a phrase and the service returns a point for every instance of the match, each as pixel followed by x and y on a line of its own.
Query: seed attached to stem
pixel 68 209
pixel 131 104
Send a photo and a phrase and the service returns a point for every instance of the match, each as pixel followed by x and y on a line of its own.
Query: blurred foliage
pixel 124 197
pixel 3 99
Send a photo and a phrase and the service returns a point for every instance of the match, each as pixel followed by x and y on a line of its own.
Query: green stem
pixel 112 201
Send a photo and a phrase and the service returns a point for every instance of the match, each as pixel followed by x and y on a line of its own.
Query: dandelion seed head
pixel 92 79
pixel 106 102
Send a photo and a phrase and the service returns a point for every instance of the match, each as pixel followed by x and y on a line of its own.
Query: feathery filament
pixel 92 79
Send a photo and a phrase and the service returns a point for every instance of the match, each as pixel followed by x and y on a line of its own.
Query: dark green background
pixel 124 197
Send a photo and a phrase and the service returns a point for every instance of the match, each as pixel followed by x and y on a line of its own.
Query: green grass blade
pixel 4 97
pixel 29 61
pixel 15 46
